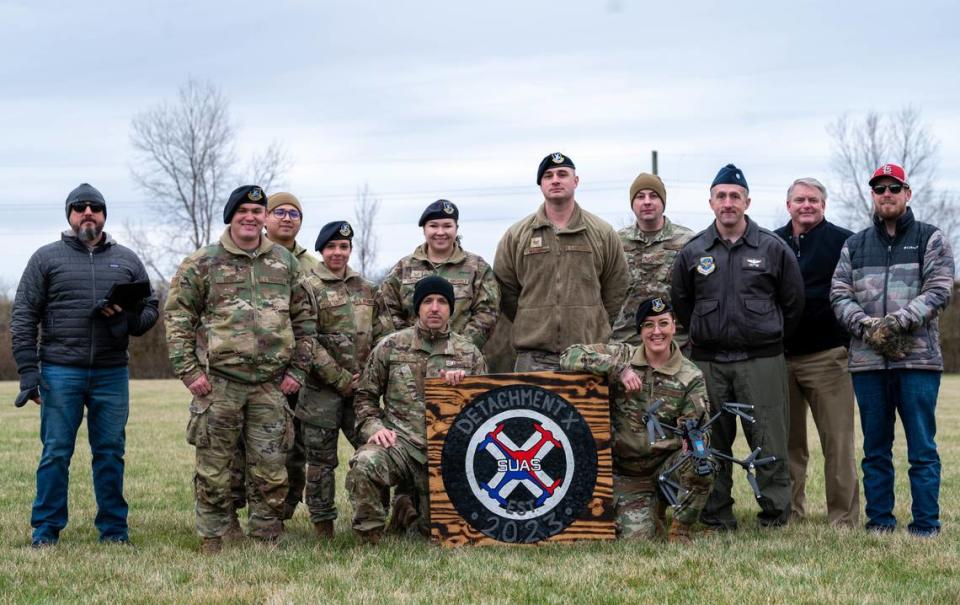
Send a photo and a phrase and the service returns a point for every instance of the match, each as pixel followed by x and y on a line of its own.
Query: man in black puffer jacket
pixel 81 361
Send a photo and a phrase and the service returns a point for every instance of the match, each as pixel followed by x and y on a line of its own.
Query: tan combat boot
pixel 371 537
pixel 404 514
pixel 211 546
pixel 680 533
pixel 324 530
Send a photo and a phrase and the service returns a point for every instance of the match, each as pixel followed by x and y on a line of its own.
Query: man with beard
pixel 81 364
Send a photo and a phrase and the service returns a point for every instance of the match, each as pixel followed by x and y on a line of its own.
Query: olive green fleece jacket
pixel 561 286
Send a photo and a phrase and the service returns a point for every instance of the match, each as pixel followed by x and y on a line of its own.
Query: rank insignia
pixel 706 265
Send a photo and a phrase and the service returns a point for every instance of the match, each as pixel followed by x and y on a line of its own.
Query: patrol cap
pixel 283 198
pixel 246 194
pixel 333 231
pixel 85 192
pixel 432 284
pixel 651 308
pixel 893 171
pixel 645 180
pixel 554 160
pixel 730 175
pixel 439 209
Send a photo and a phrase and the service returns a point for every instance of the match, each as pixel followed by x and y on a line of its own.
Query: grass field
pixel 803 563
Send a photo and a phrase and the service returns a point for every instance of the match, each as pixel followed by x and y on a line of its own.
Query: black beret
pixel 730 175
pixel 86 192
pixel 554 160
pixel 440 209
pixel 432 284
pixel 247 194
pixel 651 308
pixel 332 231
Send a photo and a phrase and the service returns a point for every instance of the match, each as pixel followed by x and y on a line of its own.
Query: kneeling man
pixel 395 434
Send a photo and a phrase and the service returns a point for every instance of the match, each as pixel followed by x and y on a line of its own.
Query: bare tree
pixel 187 165
pixel 859 147
pixel 365 241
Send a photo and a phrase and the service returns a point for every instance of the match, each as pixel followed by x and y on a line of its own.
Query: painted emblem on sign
pixel 345 230
pixel 448 208
pixel 557 158
pixel 529 460
pixel 255 194
pixel 706 265
pixel 658 305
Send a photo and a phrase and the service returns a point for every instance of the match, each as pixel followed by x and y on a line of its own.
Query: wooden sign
pixel 519 459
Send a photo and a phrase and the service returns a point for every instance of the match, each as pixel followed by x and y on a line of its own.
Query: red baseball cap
pixel 891 170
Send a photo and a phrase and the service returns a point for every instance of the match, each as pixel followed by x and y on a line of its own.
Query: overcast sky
pixel 424 100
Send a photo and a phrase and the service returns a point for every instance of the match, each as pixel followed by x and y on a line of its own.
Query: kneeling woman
pixel 638 377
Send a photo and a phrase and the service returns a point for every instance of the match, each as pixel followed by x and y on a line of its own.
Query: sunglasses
pixel 94 207
pixel 894 189
pixel 281 212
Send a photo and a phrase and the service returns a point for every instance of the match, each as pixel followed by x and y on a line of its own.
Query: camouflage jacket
pixel 560 286
pixel 396 371
pixel 347 327
pixel 650 258
pixel 308 262
pixel 251 311
pixel 909 275
pixel 475 289
pixel 679 383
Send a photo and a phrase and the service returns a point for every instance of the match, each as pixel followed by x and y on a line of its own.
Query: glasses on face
pixel 282 212
pixel 894 189
pixel 79 207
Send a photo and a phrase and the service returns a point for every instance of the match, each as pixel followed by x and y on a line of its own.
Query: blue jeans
pixel 913 395
pixel 65 391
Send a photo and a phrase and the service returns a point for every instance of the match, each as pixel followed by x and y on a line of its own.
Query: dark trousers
pixel 761 382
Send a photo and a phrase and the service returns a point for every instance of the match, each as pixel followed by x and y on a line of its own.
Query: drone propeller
pixel 739 409
pixel 654 428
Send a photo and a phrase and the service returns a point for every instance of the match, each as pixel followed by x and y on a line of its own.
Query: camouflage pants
pixel 320 447
pixel 639 503
pixel 531 360
pixel 258 416
pixel 296 469
pixel 374 468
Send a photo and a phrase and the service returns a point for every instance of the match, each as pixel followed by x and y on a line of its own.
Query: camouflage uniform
pixel 650 258
pixel 257 322
pixel 396 370
pixel 296 460
pixel 347 327
pixel 475 288
pixel 636 464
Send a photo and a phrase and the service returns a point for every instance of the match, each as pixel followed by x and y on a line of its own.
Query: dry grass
pixel 805 563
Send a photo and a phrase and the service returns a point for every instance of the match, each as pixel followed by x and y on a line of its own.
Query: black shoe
pixel 924 532
pixel 879 528
pixel 117 541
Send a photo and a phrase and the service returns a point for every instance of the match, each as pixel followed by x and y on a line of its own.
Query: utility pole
pixel 653 160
